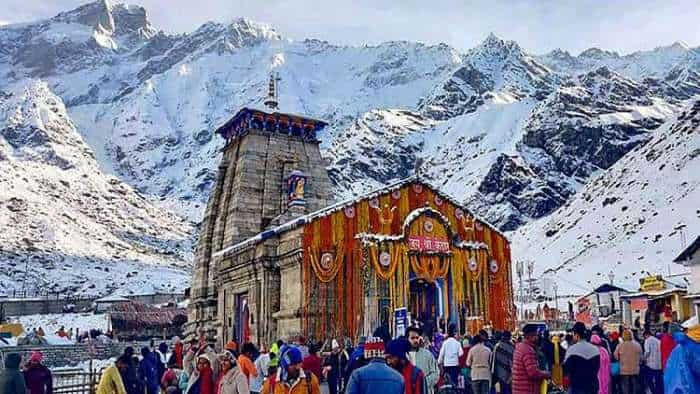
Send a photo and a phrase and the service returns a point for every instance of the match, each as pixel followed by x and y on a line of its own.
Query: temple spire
pixel 272 92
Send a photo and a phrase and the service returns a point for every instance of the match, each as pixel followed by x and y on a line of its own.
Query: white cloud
pixel 539 26
pixel 3 23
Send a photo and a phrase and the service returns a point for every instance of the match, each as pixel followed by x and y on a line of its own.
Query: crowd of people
pixel 580 361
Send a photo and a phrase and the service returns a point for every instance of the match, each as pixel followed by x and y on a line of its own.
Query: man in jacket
pixel 312 363
pixel 130 376
pixel 36 376
pixel 653 376
pixel 502 362
pixel 397 358
pixel 629 353
pixel 149 371
pixel 111 381
pixel 527 377
pixel 376 377
pixel 450 352
pixel 423 358
pixel 335 365
pixel 11 378
pixel 582 363
pixel 478 360
pixel 291 377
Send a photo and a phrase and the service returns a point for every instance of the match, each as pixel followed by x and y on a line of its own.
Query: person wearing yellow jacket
pixel 111 381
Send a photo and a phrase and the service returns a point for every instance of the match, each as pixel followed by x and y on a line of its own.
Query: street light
pixel 519 270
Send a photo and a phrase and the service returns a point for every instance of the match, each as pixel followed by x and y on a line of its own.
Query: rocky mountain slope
pixel 631 219
pixel 514 135
pixel 67 226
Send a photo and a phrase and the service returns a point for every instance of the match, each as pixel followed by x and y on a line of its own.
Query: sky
pixel 537 25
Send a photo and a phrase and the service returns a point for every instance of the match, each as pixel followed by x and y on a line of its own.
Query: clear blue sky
pixel 538 25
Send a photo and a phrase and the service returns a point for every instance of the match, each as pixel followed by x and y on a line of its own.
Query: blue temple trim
pixel 275 122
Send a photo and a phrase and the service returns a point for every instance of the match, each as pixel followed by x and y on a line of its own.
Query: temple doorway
pixel 424 304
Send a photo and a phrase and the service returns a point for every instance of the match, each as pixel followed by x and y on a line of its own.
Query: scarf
pixel 206 384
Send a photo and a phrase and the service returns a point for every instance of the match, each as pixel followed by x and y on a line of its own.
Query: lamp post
pixel 556 305
pixel 530 269
pixel 519 270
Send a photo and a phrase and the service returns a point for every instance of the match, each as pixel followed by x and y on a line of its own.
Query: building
pixel 657 300
pixel 601 306
pixel 690 257
pixel 277 258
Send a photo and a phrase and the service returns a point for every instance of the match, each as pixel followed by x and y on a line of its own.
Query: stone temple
pixel 278 256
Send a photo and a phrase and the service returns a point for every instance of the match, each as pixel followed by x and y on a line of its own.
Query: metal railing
pixel 76 381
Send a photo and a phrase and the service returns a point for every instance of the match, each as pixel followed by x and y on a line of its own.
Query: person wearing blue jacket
pixel 148 372
pixel 682 374
pixel 376 377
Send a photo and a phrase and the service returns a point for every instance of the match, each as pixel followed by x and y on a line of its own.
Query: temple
pixel 277 257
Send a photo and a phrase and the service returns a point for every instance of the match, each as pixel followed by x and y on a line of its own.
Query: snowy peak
pixel 496 70
pixel 109 18
pixel 598 54
pixel 245 32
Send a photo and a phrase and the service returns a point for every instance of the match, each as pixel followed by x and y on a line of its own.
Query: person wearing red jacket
pixel 397 358
pixel 313 363
pixel 527 377
pixel 667 345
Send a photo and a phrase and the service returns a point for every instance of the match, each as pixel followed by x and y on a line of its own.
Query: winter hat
pixel 374 348
pixel 231 345
pixel 334 344
pixel 206 357
pixel 290 355
pixel 227 356
pixel 398 347
pixel 36 357
pixel 595 340
pixel 614 336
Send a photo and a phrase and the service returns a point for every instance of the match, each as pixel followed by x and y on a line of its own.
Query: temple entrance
pixel 424 303
pixel 241 329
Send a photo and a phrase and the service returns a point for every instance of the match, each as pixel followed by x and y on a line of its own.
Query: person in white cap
pixel 335 364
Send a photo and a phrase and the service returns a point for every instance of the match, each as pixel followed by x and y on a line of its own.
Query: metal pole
pixel 556 305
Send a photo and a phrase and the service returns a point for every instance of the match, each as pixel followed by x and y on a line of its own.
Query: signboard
pixel 583 311
pixel 638 304
pixel 428 244
pixel 400 322
pixel 652 283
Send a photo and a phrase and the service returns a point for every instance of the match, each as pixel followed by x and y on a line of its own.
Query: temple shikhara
pixel 277 256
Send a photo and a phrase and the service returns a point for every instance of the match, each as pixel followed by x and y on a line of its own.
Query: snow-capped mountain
pixel 629 220
pixel 514 135
pixel 67 226
pixel 638 65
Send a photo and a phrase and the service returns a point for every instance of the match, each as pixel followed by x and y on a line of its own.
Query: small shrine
pixel 277 257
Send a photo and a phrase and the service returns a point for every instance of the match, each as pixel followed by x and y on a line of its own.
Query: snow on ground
pixel 52 322
pixel 474 141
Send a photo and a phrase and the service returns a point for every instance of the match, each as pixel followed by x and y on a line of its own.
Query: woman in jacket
pixel 36 376
pixel 604 370
pixel 231 379
pixel 111 381
pixel 203 379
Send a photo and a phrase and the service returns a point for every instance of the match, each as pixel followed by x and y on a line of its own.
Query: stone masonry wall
pixel 70 355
